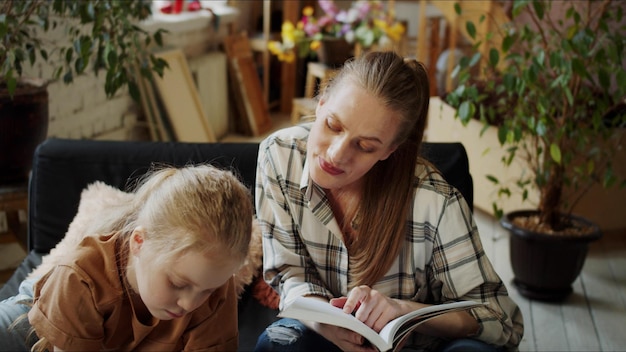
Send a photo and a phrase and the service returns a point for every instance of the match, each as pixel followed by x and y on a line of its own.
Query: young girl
pixel 157 277
pixel 351 215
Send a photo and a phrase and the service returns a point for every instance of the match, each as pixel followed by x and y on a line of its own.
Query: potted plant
pixel 366 22
pixel 557 86
pixel 73 37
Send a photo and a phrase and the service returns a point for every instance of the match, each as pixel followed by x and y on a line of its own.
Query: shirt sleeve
pixel 286 262
pixel 64 311
pixel 460 262
pixel 214 327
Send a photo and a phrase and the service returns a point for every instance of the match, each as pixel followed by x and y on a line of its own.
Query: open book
pixel 389 337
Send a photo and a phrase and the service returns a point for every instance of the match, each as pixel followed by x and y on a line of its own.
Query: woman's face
pixel 352 131
pixel 172 288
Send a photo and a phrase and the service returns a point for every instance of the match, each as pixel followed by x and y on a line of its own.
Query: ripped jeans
pixel 290 335
pixel 12 310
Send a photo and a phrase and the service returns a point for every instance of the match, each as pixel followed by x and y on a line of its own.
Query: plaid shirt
pixel 442 259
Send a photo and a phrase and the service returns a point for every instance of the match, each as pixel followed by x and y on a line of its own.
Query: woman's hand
pixel 370 306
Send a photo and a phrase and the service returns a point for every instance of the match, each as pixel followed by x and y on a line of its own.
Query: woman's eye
pixel 366 149
pixel 332 126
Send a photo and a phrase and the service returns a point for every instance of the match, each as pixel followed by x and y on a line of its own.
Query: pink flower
pixel 311 28
pixel 329 7
pixel 325 21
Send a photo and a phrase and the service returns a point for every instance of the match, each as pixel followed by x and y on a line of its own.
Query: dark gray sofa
pixel 63 168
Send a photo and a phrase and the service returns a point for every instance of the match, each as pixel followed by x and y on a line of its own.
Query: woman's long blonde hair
pixel 402 86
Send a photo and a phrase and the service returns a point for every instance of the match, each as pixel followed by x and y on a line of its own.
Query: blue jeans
pixel 290 335
pixel 18 337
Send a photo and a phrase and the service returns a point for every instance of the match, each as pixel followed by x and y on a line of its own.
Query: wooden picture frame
pixel 181 100
pixel 246 85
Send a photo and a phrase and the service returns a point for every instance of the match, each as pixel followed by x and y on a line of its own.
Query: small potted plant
pixel 72 37
pixel 557 86
pixel 366 22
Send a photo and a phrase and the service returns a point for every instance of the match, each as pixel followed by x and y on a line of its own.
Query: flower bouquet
pixel 366 22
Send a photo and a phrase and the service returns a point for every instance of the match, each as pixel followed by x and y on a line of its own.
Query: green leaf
pixel 539 7
pixel 578 66
pixel 68 77
pixel 79 65
pixel 466 111
pixel 3 29
pixel 471 29
pixel 133 89
pixel 112 59
pixel 475 59
pixel 507 43
pixel 493 179
pixel 69 54
pixel 609 178
pixel 518 6
pixel 502 133
pixel 604 78
pixel 541 128
pixel 555 153
pixel 494 57
pixel 11 83
pixel 457 8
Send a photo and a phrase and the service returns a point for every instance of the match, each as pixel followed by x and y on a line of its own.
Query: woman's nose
pixel 338 151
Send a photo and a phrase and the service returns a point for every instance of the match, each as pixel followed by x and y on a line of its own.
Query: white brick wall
pixel 81 110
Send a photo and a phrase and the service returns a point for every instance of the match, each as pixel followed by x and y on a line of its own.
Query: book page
pixel 397 328
pixel 323 312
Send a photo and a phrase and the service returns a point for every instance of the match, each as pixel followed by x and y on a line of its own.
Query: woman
pixel 352 215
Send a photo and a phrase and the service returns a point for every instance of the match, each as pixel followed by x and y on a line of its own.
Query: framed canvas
pixel 181 101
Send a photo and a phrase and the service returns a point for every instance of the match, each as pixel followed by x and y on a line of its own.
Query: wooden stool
pixel 14 198
pixel 305 106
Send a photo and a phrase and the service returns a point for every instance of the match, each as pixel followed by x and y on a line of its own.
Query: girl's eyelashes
pixel 176 286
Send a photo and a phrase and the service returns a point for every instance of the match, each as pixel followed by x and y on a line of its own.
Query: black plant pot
pixel 334 52
pixel 545 265
pixel 23 125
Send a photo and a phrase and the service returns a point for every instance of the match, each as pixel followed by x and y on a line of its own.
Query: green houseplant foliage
pixel 557 86
pixel 100 35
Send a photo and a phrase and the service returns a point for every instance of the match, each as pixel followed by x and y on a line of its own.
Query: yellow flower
pixel 315 44
pixel 275 47
pixel 396 31
pixel 288 32
pixel 288 56
pixel 308 11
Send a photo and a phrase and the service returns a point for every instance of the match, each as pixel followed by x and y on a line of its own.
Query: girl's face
pixel 173 288
pixel 353 130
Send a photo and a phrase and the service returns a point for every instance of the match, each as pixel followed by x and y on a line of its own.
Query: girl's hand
pixel 370 306
pixel 345 339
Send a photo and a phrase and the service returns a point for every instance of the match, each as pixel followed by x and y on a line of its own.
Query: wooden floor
pixel 592 318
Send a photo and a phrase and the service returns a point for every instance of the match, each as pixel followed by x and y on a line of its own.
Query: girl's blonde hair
pixel 199 208
pixel 196 207
pixel 402 86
